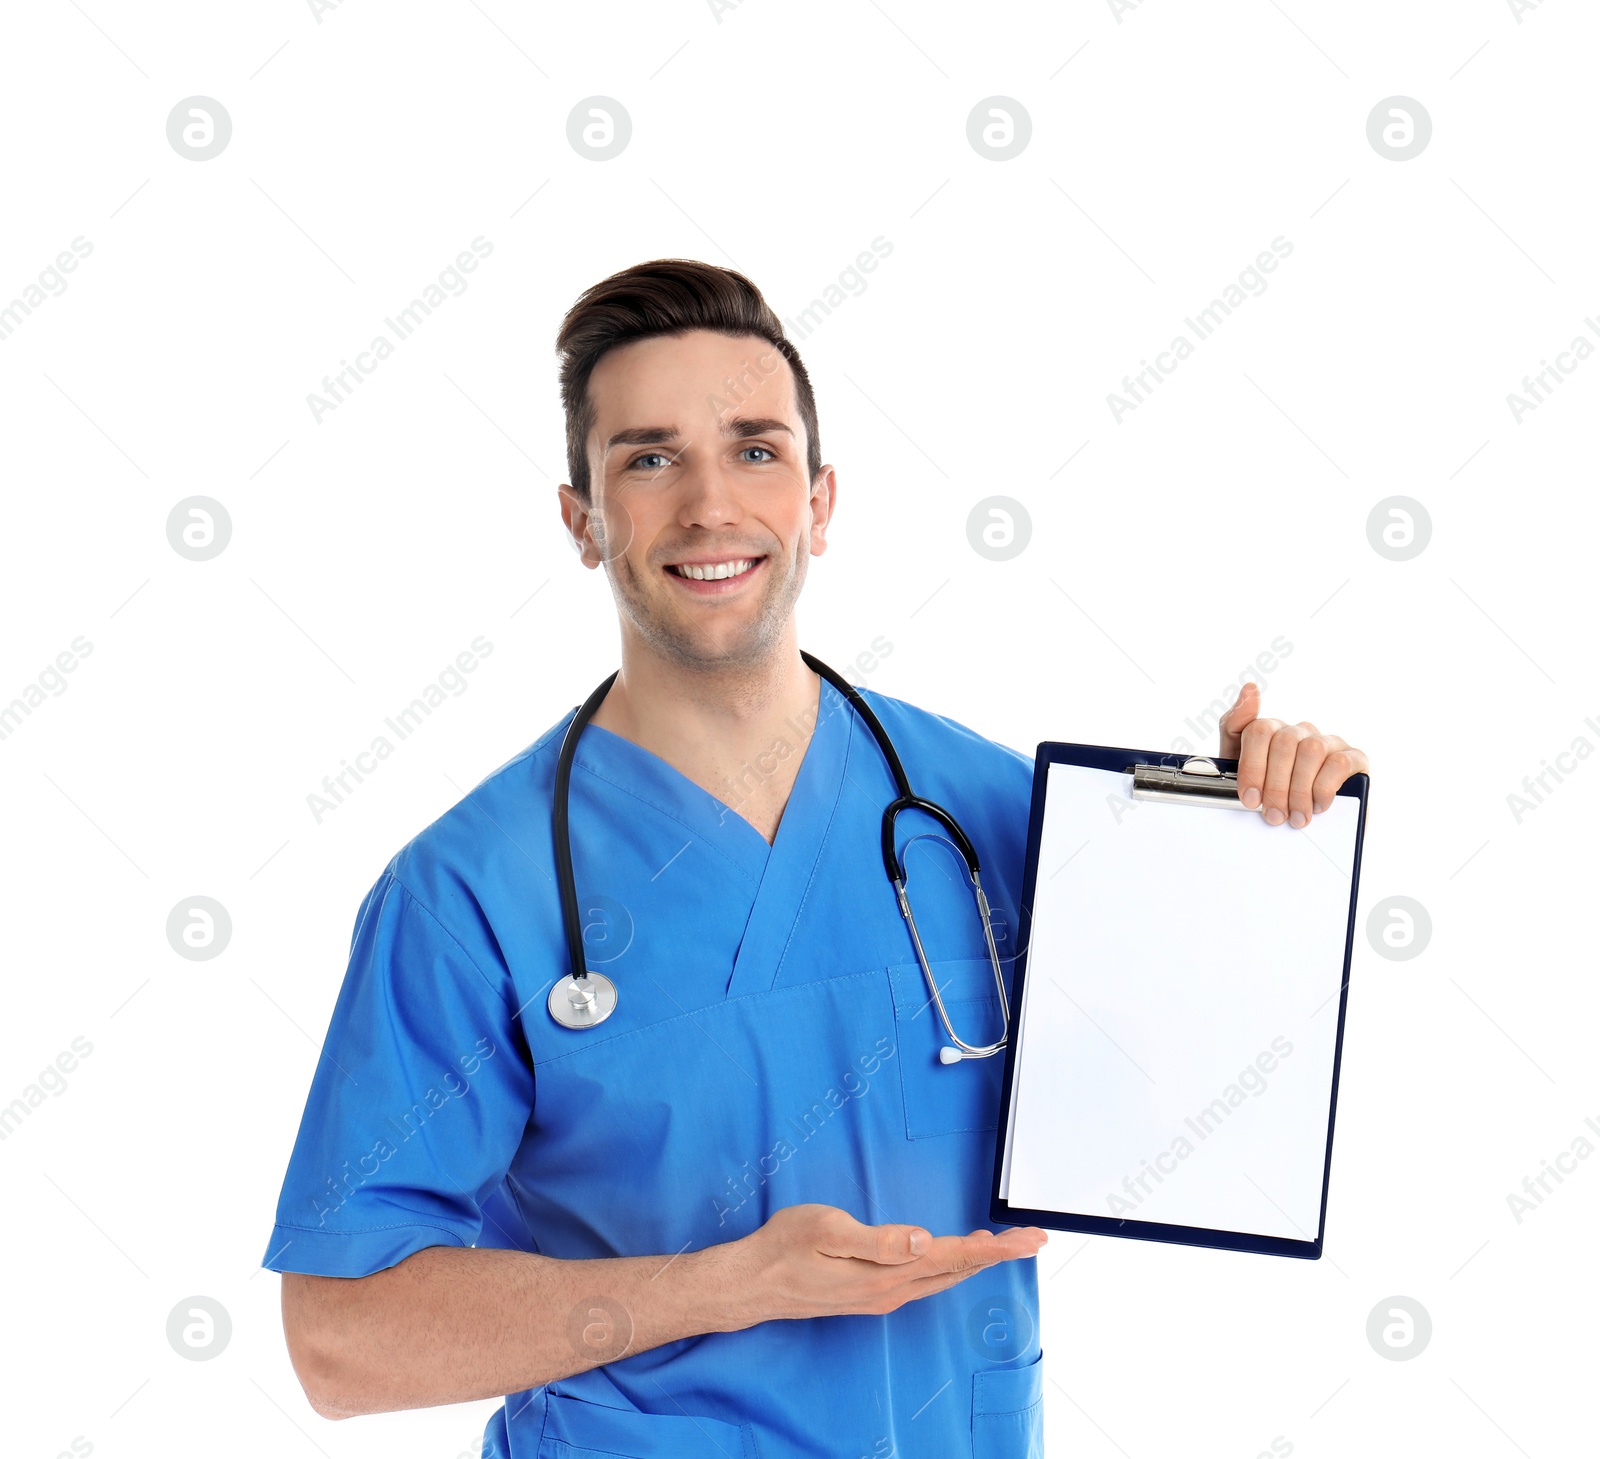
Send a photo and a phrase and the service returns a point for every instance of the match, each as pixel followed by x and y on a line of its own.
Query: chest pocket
pixel 946 1099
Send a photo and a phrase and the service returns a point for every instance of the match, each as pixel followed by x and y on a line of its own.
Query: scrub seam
pixel 812 988
pixel 827 832
pixel 701 839
pixel 373 1230
pixel 433 918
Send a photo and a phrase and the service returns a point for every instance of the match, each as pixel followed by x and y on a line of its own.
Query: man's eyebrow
pixel 760 425
pixel 739 426
pixel 643 436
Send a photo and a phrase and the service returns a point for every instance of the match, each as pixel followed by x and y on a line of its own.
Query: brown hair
pixel 665 296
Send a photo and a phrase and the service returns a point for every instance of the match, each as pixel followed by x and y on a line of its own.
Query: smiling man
pixel 726 1193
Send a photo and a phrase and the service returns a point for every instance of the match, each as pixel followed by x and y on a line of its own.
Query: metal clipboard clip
pixel 1197 782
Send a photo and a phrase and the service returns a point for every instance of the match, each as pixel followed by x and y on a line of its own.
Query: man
pixel 747 1213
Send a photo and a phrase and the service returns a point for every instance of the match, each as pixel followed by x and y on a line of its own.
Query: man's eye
pixel 760 448
pixel 645 460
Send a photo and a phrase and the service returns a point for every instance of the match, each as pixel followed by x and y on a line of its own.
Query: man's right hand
pixel 819 1261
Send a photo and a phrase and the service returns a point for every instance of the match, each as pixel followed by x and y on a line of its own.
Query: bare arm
pixel 451 1324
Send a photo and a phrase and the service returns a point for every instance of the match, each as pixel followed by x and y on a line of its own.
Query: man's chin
pixel 717 644
pixel 708 636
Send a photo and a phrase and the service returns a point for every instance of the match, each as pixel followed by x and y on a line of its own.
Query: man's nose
pixel 709 498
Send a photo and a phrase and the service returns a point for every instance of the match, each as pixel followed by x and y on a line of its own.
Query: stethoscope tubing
pixel 906 800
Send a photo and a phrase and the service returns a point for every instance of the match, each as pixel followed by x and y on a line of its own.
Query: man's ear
pixel 824 492
pixel 575 514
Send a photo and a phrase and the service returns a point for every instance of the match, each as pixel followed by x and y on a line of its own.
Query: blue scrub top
pixel 773 1044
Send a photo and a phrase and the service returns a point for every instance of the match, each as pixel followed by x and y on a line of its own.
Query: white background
pixel 1170 145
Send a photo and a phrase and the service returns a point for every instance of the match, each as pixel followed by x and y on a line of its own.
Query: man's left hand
pixel 1289 771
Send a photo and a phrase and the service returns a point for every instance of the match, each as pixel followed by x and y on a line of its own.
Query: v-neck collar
pixel 782 870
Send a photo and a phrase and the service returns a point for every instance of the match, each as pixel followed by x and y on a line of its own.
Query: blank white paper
pixel 1180 1011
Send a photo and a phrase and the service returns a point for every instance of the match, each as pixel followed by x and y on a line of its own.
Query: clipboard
pixel 1178 1006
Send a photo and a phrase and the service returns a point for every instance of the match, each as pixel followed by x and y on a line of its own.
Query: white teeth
pixel 716 570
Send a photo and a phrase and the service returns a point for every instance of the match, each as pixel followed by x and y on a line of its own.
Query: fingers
pixel 1281 752
pixel 837 1233
pixel 1341 764
pixel 1255 743
pixel 978 1252
pixel 963 1255
pixel 1310 755
pixel 1246 706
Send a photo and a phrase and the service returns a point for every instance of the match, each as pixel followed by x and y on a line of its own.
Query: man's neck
pixel 738 733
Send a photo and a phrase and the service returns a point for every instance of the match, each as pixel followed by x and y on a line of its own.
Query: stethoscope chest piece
pixel 583 1002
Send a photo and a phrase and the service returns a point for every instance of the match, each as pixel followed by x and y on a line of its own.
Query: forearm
pixel 452 1324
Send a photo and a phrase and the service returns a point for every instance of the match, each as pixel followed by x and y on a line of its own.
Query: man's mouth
pixel 708 572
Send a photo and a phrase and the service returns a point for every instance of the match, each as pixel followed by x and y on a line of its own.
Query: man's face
pixel 700 504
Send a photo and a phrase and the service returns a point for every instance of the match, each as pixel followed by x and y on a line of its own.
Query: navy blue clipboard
pixel 1001 1211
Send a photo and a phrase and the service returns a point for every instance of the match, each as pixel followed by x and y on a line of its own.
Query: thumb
pixel 1246 707
pixel 889 1245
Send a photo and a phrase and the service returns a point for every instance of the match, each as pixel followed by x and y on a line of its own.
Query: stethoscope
pixel 585 998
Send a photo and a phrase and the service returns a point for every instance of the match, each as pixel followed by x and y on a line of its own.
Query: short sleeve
pixel 418 1104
